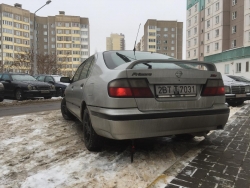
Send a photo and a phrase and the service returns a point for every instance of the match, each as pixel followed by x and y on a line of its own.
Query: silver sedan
pixel 129 95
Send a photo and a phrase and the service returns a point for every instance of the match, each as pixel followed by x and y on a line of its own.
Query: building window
pixel 173 35
pixel 189 23
pixel 208 36
pixel 172 54
pixel 66 24
pixel 172 48
pixel 195 8
pixel 67 45
pixel 45 33
pixel 217 32
pixel 152 46
pixel 53 39
pixel 45 40
pixel 234 2
pixel 234 15
pixel 195 19
pixel 158 35
pixel 165 29
pixel 45 26
pixel 52 32
pixel 172 42
pixel 158 47
pixel 195 41
pixel 6 14
pixel 53 46
pixel 195 30
pixel 59 45
pixel 165 35
pixel 26 27
pixel 217 6
pixel 194 52
pixel 188 43
pixel 233 43
pixel 234 29
pixel 216 47
pixel 189 12
pixel 52 25
pixel 26 20
pixel 208 11
pixel 189 33
pixel 17 17
pixel 158 42
pixel 158 29
pixel 151 40
pixel 208 48
pixel 188 53
pixel 165 48
pixel 238 67
pixel 173 29
pixel 151 27
pixel 247 66
pixel 45 47
pixel 227 69
pixel 208 23
pixel 217 19
pixel 59 31
pixel 151 34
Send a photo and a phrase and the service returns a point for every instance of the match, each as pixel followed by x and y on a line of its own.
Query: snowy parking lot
pixel 44 150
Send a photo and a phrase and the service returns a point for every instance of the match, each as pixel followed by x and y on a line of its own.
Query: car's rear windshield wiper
pixel 123 57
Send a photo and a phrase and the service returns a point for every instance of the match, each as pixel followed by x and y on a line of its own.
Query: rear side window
pixel 85 70
pixel 6 77
pixel 49 78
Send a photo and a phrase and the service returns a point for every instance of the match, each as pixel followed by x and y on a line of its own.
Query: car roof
pixel 47 75
pixel 14 73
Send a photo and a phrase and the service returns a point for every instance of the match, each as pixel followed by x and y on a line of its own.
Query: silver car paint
pixel 94 94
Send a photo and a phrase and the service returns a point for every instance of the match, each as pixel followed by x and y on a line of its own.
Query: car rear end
pixel 170 97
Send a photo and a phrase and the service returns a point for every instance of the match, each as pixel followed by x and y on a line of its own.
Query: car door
pixel 70 89
pixel 6 81
pixel 79 92
pixel 49 79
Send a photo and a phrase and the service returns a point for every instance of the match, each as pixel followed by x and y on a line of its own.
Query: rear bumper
pixel 38 93
pixel 131 123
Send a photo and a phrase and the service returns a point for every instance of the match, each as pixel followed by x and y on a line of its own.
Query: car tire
pixel 59 92
pixel 65 112
pixel 235 103
pixel 185 136
pixel 48 97
pixel 1 99
pixel 91 139
pixel 19 95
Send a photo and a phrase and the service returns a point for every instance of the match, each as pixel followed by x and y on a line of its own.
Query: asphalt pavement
pixel 29 108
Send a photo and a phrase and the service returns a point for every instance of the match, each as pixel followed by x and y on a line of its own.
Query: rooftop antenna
pixel 136 39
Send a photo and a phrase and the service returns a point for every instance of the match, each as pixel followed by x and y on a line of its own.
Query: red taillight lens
pixel 213 88
pixel 137 88
pixel 120 92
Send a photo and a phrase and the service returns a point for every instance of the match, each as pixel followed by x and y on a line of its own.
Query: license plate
pixel 240 95
pixel 162 90
pixel 44 91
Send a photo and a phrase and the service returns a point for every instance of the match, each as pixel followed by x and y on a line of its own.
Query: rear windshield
pixel 114 59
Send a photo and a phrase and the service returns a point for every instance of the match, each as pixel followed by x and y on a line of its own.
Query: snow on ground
pixel 44 150
pixel 11 102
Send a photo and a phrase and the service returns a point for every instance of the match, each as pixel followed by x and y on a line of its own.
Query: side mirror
pixel 65 80
pixel 7 81
pixel 51 82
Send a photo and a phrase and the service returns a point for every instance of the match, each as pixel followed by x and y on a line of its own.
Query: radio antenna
pixel 136 39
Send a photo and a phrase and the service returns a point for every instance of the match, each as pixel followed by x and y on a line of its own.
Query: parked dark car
pixel 22 86
pixel 236 90
pixel 54 80
pixel 1 92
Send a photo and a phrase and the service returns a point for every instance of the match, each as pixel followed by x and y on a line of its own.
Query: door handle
pixel 72 87
pixel 82 85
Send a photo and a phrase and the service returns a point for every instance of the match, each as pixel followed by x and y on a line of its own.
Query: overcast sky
pixel 112 16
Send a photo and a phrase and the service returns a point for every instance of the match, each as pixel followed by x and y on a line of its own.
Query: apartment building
pixel 67 37
pixel 115 42
pixel 218 31
pixel 163 37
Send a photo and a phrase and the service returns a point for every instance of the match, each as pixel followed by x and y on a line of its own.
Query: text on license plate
pixel 175 90
pixel 44 91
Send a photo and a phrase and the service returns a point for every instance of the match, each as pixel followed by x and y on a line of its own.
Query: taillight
pixel 127 88
pixel 213 88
